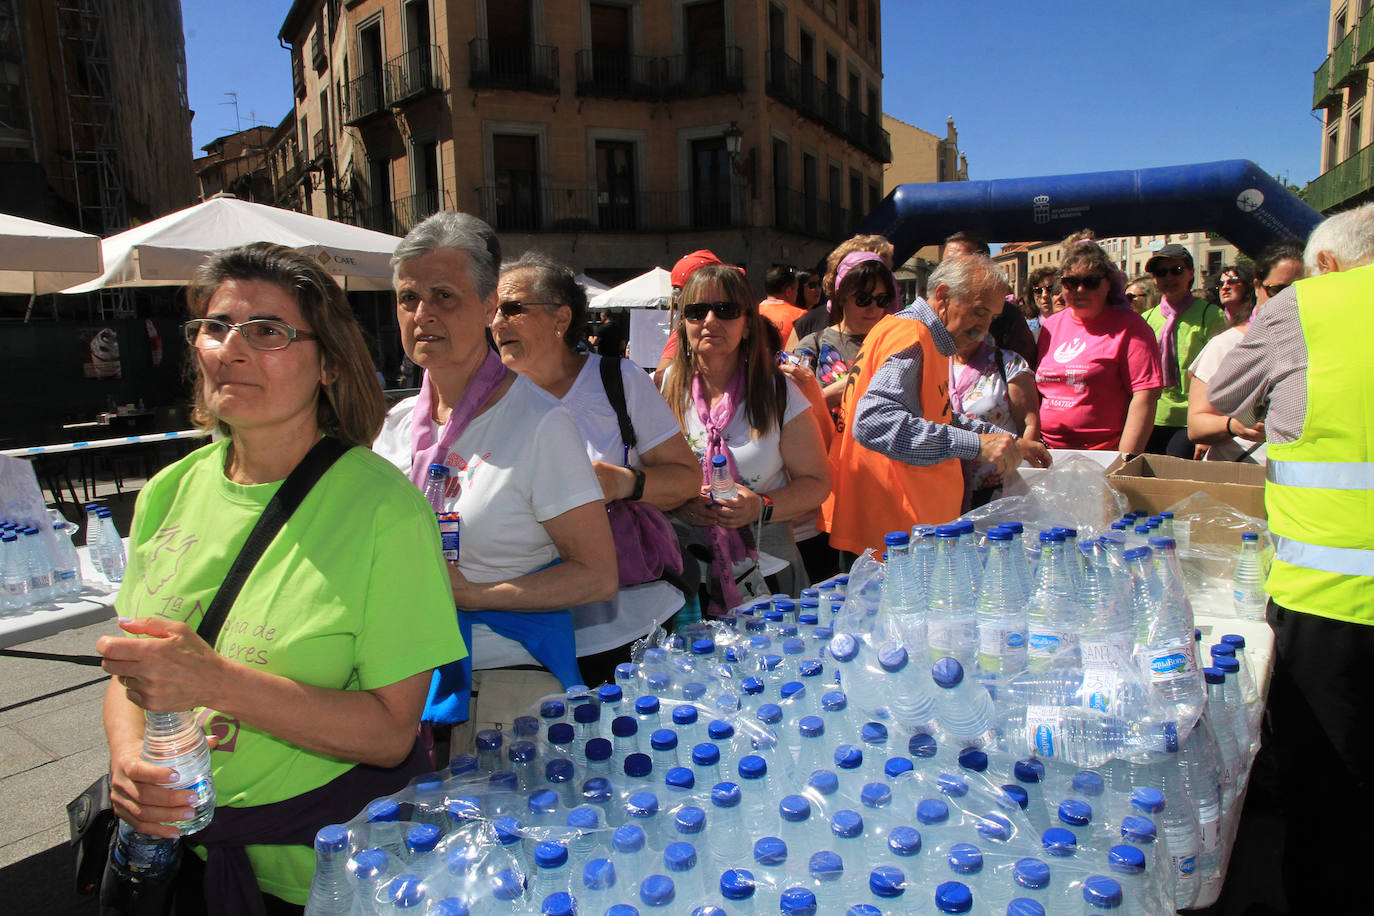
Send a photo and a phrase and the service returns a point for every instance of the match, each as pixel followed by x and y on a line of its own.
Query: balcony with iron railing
pixel 1344 182
pixel 1323 94
pixel 787 82
pixel 796 211
pixel 412 75
pixel 364 98
pixel 712 71
pixel 580 208
pixel 617 75
pixel 512 65
pixel 1344 69
pixel 1364 44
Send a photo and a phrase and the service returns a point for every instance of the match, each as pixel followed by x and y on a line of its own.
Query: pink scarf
pixel 728 545
pixel 974 369
pixel 1168 341
pixel 425 447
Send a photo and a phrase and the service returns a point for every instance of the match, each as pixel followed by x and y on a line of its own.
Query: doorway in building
pixel 615 185
pixel 516 163
pixel 710 183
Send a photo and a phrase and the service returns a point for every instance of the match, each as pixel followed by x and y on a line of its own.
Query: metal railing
pixel 1344 181
pixel 319 145
pixel 580 208
pixel 512 65
pixel 796 211
pixel 411 75
pixel 364 97
pixel 409 211
pixel 1323 96
pixel 615 75
pixel 1344 70
pixel 1364 45
pixel 786 81
pixel 709 72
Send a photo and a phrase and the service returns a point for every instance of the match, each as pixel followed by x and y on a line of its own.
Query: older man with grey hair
pixel 895 463
pixel 1303 368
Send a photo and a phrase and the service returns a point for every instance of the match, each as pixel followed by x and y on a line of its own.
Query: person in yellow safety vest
pixel 1302 369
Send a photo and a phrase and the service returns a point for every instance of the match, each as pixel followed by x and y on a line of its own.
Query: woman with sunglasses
pixel 865 291
pixel 533 535
pixel 540 308
pixel 1099 374
pixel 808 290
pixel 324 659
pixel 730 398
pixel 1142 294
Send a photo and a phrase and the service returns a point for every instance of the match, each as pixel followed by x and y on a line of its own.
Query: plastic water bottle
pixel 367 872
pixel 963 706
pixel 330 892
pixel 68 564
pixel 40 567
pixel 953 897
pixel 657 892
pixel 111 547
pixel 1001 610
pixel 1052 614
pixel 911 697
pixel 901 603
pixel 1101 894
pixel 729 832
pixel 140 857
pixel 798 901
pixel 1181 835
pixel 14 573
pixel 450 523
pixel 826 870
pixel 1106 630
pixel 851 654
pixel 723 486
pixel 739 890
pixel 681 863
pixel 1247 585
pixel 951 624
pixel 174 740
pixel 1169 649
pixel 551 873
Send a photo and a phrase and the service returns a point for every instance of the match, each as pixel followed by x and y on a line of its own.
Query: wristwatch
pixel 767 514
pixel 638 492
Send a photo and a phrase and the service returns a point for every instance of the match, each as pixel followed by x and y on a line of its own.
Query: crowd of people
pixel 584 484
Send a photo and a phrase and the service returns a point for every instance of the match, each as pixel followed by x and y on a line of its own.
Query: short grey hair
pixel 449 231
pixel 554 281
pixel 1347 236
pixel 968 277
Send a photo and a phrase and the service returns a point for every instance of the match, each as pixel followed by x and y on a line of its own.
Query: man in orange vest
pixel 895 461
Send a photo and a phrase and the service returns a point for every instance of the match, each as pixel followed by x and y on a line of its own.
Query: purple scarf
pixel 1168 341
pixel 425 447
pixel 728 545
pixel 975 368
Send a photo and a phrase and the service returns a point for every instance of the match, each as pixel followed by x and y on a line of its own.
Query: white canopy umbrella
pixel 166 251
pixel 589 286
pixel 646 291
pixel 37 258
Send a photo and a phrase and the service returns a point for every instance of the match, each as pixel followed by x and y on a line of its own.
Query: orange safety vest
pixel 872 494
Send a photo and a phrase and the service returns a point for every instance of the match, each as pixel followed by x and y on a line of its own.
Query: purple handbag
pixel 645 545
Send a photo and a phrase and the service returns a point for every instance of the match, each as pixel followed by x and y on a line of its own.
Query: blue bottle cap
pixel 1102 892
pixel 597 790
pixel 769 713
pixel 680 778
pixel 642 805
pixel 811 726
pixel 797 901
pixel 507 884
pixel 994 827
pixel 527 726
pixel 586 714
pixel 794 808
pixel 921 746
pixel 823 633
pixel 808 616
pixel 705 754
pixel 1222 649
pixel 1227 665
pixel 332 839
pixel 849 756
pixel 736 654
pixel 843 648
pixel 622 909
pixel 626 671
pixel 462 764
pixel 703 646
pixel 887 882
pixel 752 766
pixel 1127 859
pixel 1017 794
pixel 793 646
pixel 792 690
pixel 847 824
pixel 1089 783
pixel 1213 676
pixel 657 890
pixel 583 818
pixel 1138 829
pixel 932 811
pixel 1136 553
pixel 770 662
pixel 770 852
pixel 863 909
pixel 549 854
pixel 725 795
pixel 368 864
pixel 720 730
pixel 752 686
pixel 624 726
pixel 904 841
pixel 947 672
pixel 1031 873
pixel 953 897
pixel 449 906
pixel 737 884
pixel 825 865
pixel 629 838
pixel 873 733
pixel 811 667
pixel 610 693
pixel 685 715
pixel 543 801
pixel 953 785
pixel 680 856
pixel 876 795
pixel 1147 799
pixel 896 539
pixel 598 874
pixel 503 781
pixel 1029 770
pixel 383 810
pixel 561 733
pixel 834 701
pixel 970 758
pixel 646 705
pixel 519 752
pixel 488 739
pixel 1234 640
pixel 509 830
pixel 405 891
pixel 693 690
pixel 999 534
pixel 1249 536
pixel 638 765
pixel 689 820
pixel 946 531
pixel 423 837
pixel 1025 906
pixel 773 616
pixel 1059 842
pixel 1051 537
pixel 896 766
pixel 965 859
pixel 664 739
pixel 824 782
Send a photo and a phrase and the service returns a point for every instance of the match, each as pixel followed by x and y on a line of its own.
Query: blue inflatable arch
pixel 1235 198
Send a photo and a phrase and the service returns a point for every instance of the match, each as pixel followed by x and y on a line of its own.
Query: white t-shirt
pixel 520 463
pixel 591 410
pixel 1202 369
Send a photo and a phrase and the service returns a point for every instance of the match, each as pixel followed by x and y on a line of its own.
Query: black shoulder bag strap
pixel 290 495
pixel 614 383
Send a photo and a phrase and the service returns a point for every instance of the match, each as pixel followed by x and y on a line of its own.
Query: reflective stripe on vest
pixel 1322 475
pixel 1343 561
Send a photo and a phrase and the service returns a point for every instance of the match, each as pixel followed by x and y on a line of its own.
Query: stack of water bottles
pixel 1026 733
pixel 37 570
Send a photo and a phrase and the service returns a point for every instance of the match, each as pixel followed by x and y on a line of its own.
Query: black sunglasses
pixel 1177 270
pixel 1042 290
pixel 726 311
pixel 512 307
pixel 1273 289
pixel 1088 282
pixel 1131 297
pixel 864 300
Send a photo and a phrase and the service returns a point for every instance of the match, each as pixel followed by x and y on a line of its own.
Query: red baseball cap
pixel 688 264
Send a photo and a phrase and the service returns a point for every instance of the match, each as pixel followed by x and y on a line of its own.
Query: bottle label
pixel 1186 865
pixel 996 641
pixel 1175 662
pixel 1042 728
pixel 951 638
pixel 1210 832
pixel 449 524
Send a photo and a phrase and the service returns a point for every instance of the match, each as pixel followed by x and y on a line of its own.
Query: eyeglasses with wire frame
pixel 259 333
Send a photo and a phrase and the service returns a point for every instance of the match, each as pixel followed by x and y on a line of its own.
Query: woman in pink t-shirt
pixel 1099 374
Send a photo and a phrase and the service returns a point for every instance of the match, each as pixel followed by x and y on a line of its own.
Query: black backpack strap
pixel 614 383
pixel 292 493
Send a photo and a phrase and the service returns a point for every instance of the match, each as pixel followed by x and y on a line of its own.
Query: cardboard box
pixel 1156 482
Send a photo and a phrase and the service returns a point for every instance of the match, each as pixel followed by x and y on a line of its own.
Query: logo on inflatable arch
pixel 1040 209
pixel 1249 200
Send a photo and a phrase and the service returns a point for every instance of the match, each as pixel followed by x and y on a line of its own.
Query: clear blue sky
pixel 1034 88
